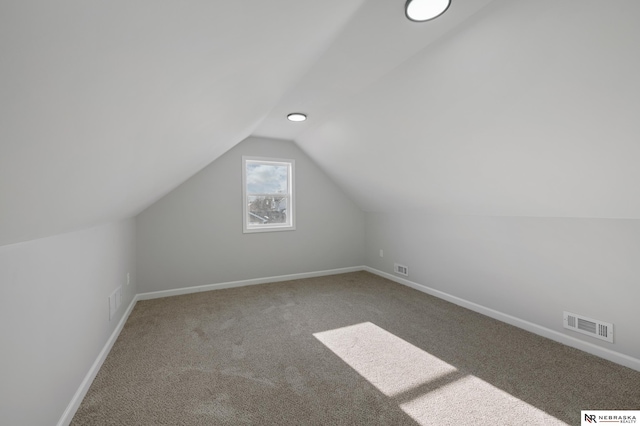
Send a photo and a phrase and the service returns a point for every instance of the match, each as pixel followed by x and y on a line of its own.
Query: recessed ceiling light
pixel 425 10
pixel 296 116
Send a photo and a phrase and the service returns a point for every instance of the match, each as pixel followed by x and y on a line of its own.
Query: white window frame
pixel 248 227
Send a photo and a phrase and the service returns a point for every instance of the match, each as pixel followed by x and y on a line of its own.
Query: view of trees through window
pixel 267 193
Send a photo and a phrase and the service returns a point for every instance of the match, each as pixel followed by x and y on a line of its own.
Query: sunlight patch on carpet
pixel 391 364
pixel 425 387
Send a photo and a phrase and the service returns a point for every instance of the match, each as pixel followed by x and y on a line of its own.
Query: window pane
pixel 268 194
pixel 267 178
pixel 264 210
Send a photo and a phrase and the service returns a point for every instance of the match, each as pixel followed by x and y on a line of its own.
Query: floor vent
pixel 401 269
pixel 594 328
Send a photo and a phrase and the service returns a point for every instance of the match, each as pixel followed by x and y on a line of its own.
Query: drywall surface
pixel 527 109
pixel 105 106
pixel 54 314
pixel 193 236
pixel 529 268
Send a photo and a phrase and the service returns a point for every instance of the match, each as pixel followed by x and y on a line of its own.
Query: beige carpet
pixel 352 349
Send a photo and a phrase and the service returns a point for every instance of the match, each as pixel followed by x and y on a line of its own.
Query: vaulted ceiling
pixel 504 107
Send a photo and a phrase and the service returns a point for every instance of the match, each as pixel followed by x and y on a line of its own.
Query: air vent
pixel 401 269
pixel 594 328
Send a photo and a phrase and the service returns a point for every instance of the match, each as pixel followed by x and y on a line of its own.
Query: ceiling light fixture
pixel 425 10
pixel 296 116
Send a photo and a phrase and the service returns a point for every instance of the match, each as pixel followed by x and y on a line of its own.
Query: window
pixel 267 187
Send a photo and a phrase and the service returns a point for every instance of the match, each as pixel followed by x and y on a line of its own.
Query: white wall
pixel 529 268
pixel 527 109
pixel 193 236
pixel 54 315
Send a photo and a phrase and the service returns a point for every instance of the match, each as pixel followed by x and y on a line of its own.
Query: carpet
pixel 350 349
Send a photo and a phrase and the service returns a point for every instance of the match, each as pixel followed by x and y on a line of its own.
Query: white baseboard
pixel 254 281
pixel 598 351
pixel 68 414
pixel 601 352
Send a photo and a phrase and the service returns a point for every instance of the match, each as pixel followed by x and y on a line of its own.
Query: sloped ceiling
pixel 505 107
pixel 105 106
pixel 530 108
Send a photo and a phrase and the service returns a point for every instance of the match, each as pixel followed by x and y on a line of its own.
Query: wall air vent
pixel 589 326
pixel 400 269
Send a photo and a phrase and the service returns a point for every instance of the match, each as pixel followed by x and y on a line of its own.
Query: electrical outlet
pixel 128 278
pixel 112 305
pixel 118 297
pixel 381 253
pixel 115 300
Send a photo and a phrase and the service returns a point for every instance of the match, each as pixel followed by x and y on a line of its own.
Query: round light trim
pixel 425 10
pixel 296 116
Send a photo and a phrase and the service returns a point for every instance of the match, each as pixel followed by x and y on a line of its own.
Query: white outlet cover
pixel 112 305
pixel 381 253
pixel 118 297
pixel 128 278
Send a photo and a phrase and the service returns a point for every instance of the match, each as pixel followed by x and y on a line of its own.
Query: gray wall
pixel 55 316
pixel 193 236
pixel 530 268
